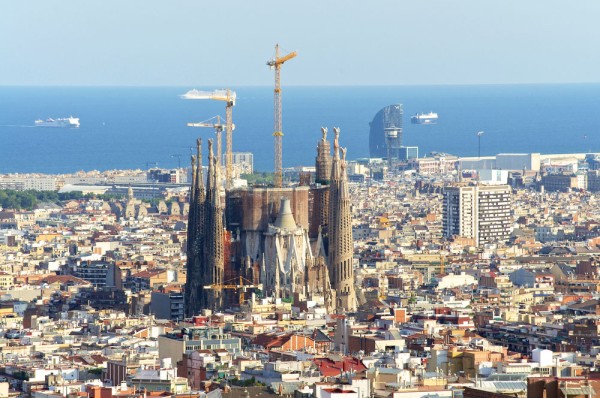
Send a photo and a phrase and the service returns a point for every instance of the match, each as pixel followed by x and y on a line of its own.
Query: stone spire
pixel 190 231
pixel 323 159
pixel 277 289
pixel 335 163
pixel 199 197
pixel 129 193
pixel 195 253
pixel 319 217
pixel 214 235
pixel 340 247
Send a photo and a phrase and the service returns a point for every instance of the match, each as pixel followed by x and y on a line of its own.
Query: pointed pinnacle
pixel 210 150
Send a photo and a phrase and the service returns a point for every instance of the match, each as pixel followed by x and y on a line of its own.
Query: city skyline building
pixel 243 162
pixel 386 130
pixel 481 213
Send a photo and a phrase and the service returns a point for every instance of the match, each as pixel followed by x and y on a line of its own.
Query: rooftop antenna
pixel 178 156
pixel 479 134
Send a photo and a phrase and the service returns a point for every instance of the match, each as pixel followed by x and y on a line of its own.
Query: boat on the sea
pixel 219 95
pixel 424 118
pixel 72 122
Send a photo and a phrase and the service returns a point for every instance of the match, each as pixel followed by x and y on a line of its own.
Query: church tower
pixel 320 190
pixel 195 237
pixel 340 247
pixel 214 236
pixel 323 160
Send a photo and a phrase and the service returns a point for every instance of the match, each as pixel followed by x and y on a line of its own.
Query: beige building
pixel 6 281
pixel 559 182
pixel 478 212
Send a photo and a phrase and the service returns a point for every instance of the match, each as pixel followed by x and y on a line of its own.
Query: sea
pixel 141 127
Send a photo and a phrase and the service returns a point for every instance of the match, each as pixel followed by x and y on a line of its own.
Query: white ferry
pixel 424 118
pixel 72 122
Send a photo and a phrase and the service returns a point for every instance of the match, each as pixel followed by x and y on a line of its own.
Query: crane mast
pixel 276 63
pixel 278 128
pixel 228 139
pixel 219 132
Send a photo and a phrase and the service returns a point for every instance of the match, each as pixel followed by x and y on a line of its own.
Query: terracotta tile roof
pixel 271 339
pixel 63 279
pixel 148 273
pixel 329 367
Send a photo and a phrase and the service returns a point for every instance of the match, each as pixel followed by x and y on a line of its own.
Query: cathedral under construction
pixel 284 243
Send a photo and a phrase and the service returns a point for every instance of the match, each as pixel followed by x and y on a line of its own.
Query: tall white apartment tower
pixel 481 213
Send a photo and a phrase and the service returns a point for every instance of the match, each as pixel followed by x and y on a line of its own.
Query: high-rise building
pixel 385 137
pixel 243 162
pixel 481 213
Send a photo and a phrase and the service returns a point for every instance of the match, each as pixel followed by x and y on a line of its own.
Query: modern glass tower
pixel 385 137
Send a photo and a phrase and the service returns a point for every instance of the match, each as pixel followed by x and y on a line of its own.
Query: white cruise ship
pixel 424 118
pixel 72 122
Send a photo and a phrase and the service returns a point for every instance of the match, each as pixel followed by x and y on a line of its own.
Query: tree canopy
pixel 27 200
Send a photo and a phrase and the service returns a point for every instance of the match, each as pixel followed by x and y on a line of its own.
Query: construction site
pixel 276 243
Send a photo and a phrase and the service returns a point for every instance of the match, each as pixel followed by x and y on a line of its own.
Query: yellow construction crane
pixel 229 97
pixel 219 127
pixel 275 63
pixel 240 284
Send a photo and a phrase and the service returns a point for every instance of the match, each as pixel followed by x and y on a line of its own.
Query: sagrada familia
pixel 289 243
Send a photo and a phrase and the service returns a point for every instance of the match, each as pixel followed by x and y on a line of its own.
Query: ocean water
pixel 129 128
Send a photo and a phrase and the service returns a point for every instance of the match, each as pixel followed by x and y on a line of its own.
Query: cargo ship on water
pixel 424 118
pixel 70 122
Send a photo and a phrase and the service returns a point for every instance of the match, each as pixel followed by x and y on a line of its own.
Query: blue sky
pixel 339 42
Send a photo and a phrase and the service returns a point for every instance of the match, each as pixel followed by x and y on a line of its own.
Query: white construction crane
pixel 215 123
pixel 229 97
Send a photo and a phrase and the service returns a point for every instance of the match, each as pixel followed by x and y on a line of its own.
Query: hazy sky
pixel 339 42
